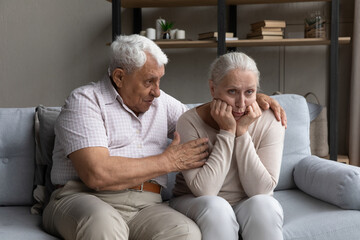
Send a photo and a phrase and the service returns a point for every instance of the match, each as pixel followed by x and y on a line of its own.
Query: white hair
pixel 129 53
pixel 230 61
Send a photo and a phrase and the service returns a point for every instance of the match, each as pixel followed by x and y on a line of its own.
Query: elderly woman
pixel 234 188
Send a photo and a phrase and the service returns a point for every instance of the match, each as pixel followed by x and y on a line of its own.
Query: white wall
pixel 49 47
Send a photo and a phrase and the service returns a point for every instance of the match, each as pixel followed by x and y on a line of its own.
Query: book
pixel 226 38
pixel 265 33
pixel 268 29
pixel 267 37
pixel 214 34
pixel 268 23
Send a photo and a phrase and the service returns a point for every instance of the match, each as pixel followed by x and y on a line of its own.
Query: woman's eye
pixel 231 91
pixel 249 92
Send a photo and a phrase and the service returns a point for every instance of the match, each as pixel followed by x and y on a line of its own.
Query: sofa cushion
pixel 17 155
pixel 19 223
pixel 330 181
pixel 296 142
pixel 308 218
pixel 45 144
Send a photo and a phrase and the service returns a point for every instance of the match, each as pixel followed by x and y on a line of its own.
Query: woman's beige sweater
pixel 237 167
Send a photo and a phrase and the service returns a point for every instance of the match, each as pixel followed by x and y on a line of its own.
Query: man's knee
pixel 102 224
pixel 186 230
pixel 181 231
pixel 85 222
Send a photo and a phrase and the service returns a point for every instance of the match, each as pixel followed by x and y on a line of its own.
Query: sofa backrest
pixel 17 156
pixel 297 141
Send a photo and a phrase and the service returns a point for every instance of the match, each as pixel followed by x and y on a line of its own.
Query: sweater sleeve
pixel 259 156
pixel 208 179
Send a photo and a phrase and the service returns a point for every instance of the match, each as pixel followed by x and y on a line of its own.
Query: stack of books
pixel 267 29
pixel 214 36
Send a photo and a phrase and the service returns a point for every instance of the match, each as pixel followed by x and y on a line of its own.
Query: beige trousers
pixel 77 212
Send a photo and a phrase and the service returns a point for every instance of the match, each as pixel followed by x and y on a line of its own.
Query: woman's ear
pixel 117 76
pixel 212 87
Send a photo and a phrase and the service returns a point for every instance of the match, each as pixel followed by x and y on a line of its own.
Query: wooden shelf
pixel 189 3
pixel 250 43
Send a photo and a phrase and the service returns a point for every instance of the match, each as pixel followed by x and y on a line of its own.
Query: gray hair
pixel 230 61
pixel 129 53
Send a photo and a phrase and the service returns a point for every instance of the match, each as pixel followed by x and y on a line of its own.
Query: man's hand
pixel 265 102
pixel 187 155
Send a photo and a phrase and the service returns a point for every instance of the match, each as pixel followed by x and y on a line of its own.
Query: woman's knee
pixel 214 204
pixel 264 203
pixel 218 220
pixel 260 217
pixel 195 207
pixel 260 208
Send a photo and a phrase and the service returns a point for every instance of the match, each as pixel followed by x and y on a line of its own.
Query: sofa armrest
pixel 330 181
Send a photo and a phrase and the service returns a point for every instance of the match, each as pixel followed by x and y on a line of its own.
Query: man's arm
pixel 265 102
pixel 100 171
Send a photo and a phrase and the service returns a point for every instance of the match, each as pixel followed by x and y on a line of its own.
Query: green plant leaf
pixel 166 26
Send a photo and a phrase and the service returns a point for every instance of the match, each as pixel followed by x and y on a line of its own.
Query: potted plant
pixel 166 27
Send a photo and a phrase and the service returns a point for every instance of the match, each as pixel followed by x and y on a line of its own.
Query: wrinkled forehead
pixel 239 77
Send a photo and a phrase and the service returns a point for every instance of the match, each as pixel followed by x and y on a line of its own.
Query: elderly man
pixel 111 153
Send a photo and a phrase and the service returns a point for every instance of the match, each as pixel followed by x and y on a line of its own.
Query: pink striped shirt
pixel 95 115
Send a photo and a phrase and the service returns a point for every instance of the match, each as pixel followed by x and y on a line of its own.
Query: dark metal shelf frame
pixel 221 49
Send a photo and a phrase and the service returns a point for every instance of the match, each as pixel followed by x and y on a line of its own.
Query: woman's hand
pixel 221 112
pixel 252 113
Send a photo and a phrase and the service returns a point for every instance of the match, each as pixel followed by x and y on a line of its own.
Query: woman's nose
pixel 240 102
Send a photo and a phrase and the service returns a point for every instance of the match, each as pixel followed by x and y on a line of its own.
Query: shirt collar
pixel 110 95
pixel 109 92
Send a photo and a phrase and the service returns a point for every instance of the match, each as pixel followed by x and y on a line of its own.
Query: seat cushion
pixel 17 155
pixel 307 218
pixel 19 223
pixel 296 142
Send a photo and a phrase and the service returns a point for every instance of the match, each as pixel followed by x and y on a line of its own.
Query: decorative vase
pixel 166 35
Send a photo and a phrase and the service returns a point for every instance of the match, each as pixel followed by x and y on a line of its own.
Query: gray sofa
pixel 320 198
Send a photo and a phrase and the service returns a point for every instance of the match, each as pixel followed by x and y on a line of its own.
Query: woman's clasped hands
pixel 222 113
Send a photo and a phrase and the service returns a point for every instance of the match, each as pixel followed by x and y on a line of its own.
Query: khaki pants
pixel 77 212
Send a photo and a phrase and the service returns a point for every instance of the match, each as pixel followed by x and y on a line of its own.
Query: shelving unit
pixel 250 43
pixel 221 44
pixel 189 3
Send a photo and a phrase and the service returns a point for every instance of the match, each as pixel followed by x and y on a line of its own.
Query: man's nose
pixel 156 90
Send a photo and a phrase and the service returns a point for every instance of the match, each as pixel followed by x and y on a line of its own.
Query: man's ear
pixel 118 76
pixel 212 87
